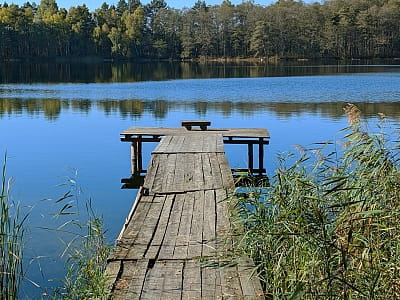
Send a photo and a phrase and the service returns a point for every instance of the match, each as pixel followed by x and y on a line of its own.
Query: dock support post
pixel 251 158
pixel 134 148
pixel 139 157
pixel 136 156
pixel 260 155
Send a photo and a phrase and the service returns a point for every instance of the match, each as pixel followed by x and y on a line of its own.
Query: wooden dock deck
pixel 237 136
pixel 176 236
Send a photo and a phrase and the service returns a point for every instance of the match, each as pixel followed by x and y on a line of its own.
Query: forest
pixel 286 29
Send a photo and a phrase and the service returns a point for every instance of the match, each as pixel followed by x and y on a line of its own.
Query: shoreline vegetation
pixel 275 60
pixel 326 224
pixel 81 232
pixel 284 30
pixel 12 239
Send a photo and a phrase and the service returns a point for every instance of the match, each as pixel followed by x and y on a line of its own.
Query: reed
pixel 86 250
pixel 12 233
pixel 327 225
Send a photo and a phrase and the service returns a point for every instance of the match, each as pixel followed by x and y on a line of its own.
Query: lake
pixel 62 121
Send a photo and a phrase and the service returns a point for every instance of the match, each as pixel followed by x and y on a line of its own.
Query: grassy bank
pixel 327 226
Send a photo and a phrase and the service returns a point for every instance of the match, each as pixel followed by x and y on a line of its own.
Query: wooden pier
pixel 176 238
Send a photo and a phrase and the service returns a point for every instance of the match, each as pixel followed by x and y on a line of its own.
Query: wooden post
pixel 260 155
pixel 251 158
pixel 134 154
pixel 139 157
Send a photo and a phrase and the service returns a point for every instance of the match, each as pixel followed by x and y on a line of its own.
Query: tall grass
pixel 327 226
pixel 12 232
pixel 86 250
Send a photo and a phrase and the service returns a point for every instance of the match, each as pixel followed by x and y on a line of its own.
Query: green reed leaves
pixel 82 233
pixel 12 232
pixel 86 250
pixel 327 226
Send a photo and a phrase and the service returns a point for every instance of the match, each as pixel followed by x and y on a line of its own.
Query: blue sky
pixel 93 4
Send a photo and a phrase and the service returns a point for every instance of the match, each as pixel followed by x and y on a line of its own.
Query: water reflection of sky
pixel 49 129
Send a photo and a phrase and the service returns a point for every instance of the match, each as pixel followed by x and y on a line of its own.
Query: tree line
pixel 130 30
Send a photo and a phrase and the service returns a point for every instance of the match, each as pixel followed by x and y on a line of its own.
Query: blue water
pixel 48 130
pixel 358 87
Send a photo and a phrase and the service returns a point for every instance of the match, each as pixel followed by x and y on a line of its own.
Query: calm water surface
pixel 58 119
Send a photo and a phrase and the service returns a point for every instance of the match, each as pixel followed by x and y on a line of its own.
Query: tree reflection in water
pixel 51 109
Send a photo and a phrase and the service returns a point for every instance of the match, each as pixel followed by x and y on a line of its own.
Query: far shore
pixel 264 60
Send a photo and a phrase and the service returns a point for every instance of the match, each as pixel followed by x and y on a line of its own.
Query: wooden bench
pixel 189 123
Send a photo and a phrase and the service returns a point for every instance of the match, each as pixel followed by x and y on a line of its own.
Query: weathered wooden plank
pixel 205 144
pixel 196 230
pixel 195 144
pixel 112 271
pixel 189 175
pixel 189 144
pixel 216 171
pixel 163 145
pixel 226 173
pixel 191 281
pixel 207 172
pixel 131 212
pixel 177 144
pixel 144 237
pixel 210 143
pixel 230 283
pixel 209 224
pixel 224 241
pixel 152 171
pixel 131 280
pixel 167 248
pixel 220 144
pixel 132 230
pixel 251 285
pixel 223 224
pixel 173 280
pixel 167 177
pixel 161 171
pixel 182 240
pixel 153 284
pixel 211 283
pixel 177 184
pixel 158 238
pixel 137 274
pixel 198 172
